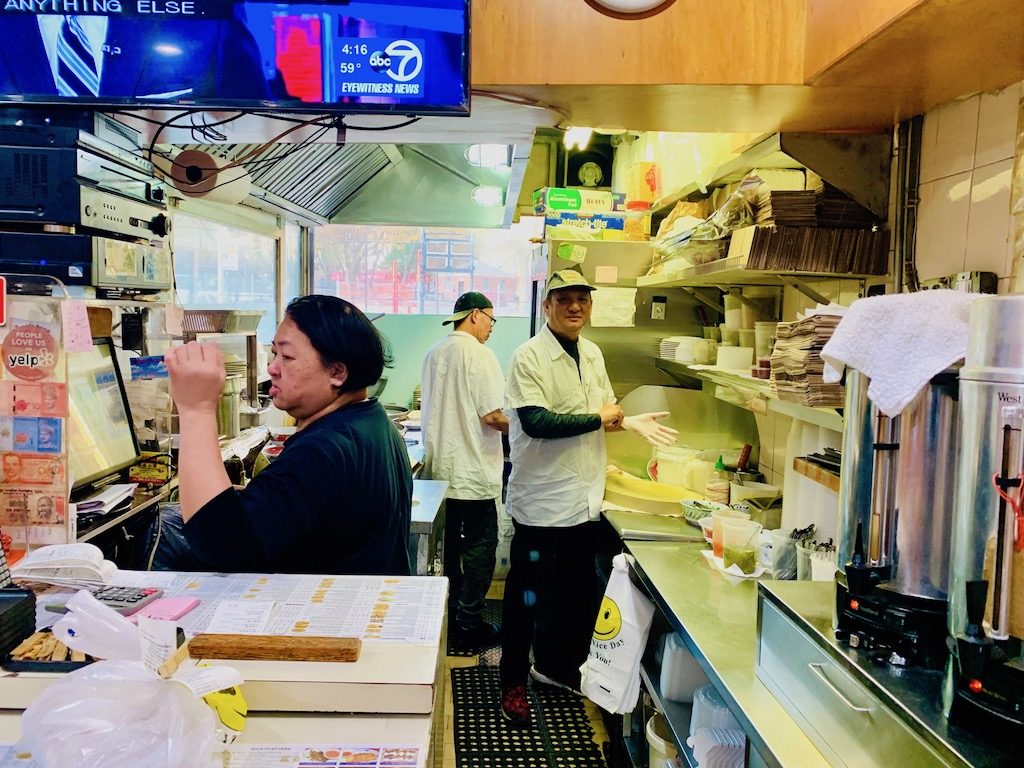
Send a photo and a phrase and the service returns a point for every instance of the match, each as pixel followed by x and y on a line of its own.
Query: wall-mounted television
pixel 407 57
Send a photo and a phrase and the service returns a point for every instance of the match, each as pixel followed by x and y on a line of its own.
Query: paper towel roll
pixel 199 174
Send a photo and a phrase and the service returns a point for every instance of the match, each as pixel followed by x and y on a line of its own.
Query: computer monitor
pixel 101 435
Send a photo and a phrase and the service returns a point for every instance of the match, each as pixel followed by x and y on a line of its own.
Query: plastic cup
pixel 746 337
pixel 764 332
pixel 739 538
pixel 733 311
pixel 823 566
pixel 803 562
pixel 704 351
pixel 717 519
pixel 731 337
pixel 782 564
pixel 712 332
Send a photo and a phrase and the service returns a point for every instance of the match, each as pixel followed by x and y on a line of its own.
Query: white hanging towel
pixel 611 673
pixel 899 341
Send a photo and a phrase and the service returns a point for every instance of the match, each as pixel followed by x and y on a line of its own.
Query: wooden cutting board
pixel 274 647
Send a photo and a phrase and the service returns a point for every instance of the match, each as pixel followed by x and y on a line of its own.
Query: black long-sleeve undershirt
pixel 540 422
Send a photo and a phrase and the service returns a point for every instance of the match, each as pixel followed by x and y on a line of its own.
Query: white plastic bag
pixel 97 630
pixel 118 714
pixel 611 673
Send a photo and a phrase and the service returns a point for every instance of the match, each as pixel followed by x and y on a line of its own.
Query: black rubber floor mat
pixel 559 734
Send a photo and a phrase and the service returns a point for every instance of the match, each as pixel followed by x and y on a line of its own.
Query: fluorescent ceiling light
pixel 488 197
pixel 577 138
pixel 489 155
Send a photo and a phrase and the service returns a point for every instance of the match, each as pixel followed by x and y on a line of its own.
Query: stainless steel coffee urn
pixel 985 674
pixel 896 512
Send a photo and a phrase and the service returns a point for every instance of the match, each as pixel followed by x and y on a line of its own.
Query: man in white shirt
pixel 560 404
pixel 463 394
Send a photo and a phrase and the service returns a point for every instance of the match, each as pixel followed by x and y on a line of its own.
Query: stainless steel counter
pixel 913 695
pixel 717 620
pixel 426 532
pixel 427 498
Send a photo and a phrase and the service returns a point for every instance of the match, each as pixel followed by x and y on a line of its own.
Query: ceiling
pixel 375 174
pixel 790 66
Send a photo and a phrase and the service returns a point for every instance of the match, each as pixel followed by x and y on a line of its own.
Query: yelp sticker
pixel 30 352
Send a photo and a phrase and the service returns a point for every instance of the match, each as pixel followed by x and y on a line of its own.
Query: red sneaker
pixel 515 704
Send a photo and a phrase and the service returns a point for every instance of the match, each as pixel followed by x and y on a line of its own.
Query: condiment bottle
pixel 718 484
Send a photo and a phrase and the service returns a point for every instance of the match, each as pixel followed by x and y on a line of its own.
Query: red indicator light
pixel 854 605
pixel 975 686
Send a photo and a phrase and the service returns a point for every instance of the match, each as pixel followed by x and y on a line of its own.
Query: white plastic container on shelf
pixel 733 310
pixel 660 747
pixel 718 747
pixel 668 465
pixel 681 675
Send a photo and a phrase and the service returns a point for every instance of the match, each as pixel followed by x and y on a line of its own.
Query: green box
pixel 560 199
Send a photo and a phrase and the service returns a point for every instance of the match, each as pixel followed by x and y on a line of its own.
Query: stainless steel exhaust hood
pixel 411 184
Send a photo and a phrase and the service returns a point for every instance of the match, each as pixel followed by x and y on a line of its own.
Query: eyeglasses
pixel 494 320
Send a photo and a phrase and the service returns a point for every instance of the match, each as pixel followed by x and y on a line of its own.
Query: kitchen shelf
pixel 733 271
pixel 856 164
pixel 677 716
pixel 761 397
pixel 818 474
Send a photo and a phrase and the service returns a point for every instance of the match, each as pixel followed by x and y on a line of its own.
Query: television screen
pixel 101 436
pixel 374 56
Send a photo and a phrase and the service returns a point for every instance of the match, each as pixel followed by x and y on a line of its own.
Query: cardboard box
pixel 558 199
pixel 597 226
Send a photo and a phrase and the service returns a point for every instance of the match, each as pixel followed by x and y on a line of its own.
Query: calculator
pixel 124 600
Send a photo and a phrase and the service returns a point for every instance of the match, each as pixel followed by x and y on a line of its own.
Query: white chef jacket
pixel 461 383
pixel 556 482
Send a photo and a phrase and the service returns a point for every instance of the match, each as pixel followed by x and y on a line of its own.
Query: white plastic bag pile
pixel 611 673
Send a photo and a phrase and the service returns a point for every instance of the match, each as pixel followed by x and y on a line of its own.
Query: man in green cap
pixel 463 392
pixel 560 403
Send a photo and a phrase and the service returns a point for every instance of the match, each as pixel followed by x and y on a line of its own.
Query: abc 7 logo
pixel 401 60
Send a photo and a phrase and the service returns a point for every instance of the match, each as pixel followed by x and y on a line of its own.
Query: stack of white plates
pixel 668 346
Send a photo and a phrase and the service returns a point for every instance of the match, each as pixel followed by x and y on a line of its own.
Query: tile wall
pixel 964 220
pixel 964 223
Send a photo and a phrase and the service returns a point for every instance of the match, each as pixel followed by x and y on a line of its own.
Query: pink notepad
pixel 167 608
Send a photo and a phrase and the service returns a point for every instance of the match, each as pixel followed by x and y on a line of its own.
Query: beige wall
pixel 964 220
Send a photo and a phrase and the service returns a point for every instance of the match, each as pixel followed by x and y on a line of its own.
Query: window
pixel 291 266
pixel 220 266
pixel 422 270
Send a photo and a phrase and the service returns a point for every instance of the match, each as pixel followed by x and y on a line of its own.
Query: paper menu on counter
pixel 325 755
pixel 240 617
pixel 375 608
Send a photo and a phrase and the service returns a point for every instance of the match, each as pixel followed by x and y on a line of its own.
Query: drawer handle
pixel 817 670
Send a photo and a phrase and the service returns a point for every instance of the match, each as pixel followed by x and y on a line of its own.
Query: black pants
pixel 470 541
pixel 551 602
